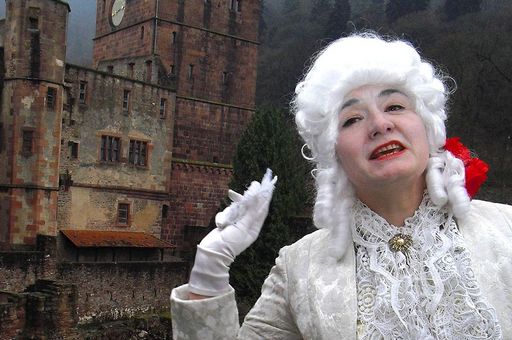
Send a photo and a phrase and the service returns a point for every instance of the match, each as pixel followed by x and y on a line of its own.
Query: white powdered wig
pixel 349 63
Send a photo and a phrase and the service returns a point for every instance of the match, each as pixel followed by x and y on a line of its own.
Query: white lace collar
pixel 427 291
pixel 371 230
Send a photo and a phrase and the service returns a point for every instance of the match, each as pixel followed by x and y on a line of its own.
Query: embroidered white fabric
pixel 426 292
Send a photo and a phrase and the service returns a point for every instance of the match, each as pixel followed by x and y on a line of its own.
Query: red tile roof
pixel 95 238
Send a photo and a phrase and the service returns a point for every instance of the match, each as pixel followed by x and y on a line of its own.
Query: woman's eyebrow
pixel 384 93
pixel 389 92
pixel 349 102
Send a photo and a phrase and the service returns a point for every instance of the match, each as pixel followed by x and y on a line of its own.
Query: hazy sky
pixel 81 26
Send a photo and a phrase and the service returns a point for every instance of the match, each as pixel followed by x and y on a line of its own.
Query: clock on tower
pixel 117 12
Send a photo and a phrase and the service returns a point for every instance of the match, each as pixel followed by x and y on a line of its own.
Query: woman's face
pixel 381 140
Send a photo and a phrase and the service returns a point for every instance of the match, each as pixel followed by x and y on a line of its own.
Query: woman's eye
pixel 394 107
pixel 351 121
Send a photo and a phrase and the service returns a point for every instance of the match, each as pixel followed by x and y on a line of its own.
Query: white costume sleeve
pixel 217 317
pixel 213 318
pixel 488 236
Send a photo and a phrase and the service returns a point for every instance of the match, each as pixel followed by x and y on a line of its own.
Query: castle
pixel 126 161
pixel 140 142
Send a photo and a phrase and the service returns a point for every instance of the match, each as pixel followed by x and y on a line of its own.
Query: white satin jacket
pixel 309 295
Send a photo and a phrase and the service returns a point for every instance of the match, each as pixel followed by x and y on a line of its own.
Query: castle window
pixel 165 211
pixel 73 149
pixel 50 98
pixel 110 69
pixel 130 69
pixel 172 70
pixel 82 89
pixel 126 101
pixel 33 23
pixel 174 37
pixel 66 105
pixel 235 5
pixel 110 149
pixel 142 33
pixel 163 103
pixel 138 153
pixel 71 120
pixel 190 71
pixel 123 214
pixel 225 77
pixel 65 181
pixel 1 137
pixel 27 145
pixel 149 70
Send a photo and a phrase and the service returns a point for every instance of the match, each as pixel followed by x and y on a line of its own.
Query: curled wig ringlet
pixel 349 63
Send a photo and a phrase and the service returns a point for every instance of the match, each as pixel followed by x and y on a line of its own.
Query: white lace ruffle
pixel 426 292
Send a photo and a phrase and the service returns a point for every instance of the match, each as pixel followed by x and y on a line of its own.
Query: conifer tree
pixel 338 18
pixel 320 10
pixel 290 6
pixel 456 8
pixel 269 141
pixel 398 8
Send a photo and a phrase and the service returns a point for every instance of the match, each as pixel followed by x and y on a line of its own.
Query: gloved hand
pixel 238 227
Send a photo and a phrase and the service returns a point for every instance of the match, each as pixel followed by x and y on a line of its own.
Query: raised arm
pixel 238 226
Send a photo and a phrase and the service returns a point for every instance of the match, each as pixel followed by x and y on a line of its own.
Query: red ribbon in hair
pixel 475 168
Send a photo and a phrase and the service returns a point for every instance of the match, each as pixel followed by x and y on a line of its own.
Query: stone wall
pixel 197 192
pixel 50 310
pixel 47 24
pixel 101 113
pixel 45 310
pixel 209 66
pixel 19 269
pixel 111 291
pixel 104 290
pixel 128 40
pixel 91 189
pixel 12 314
pixel 208 35
pixel 206 132
pixel 31 116
pixel 31 177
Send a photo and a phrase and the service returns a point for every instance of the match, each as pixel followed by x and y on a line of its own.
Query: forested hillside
pixel 467 39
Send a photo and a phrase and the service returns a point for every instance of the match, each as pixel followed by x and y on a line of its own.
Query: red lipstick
pixel 387 150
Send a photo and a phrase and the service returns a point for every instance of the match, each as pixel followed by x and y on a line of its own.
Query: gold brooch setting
pixel 400 242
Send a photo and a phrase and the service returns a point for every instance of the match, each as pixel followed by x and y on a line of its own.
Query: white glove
pixel 238 227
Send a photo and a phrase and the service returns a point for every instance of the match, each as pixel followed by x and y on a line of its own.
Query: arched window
pixel 235 5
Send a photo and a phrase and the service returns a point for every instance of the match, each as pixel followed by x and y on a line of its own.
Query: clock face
pixel 118 8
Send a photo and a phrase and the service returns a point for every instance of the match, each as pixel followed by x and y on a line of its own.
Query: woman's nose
pixel 380 123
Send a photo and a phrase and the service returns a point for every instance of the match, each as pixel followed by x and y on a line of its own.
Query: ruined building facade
pixel 107 172
pixel 141 141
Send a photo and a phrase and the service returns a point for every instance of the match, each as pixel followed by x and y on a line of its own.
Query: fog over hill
pixel 81 27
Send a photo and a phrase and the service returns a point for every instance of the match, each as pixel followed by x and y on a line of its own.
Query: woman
pixel 402 252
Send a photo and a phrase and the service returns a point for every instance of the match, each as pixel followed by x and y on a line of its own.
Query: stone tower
pixel 207 51
pixel 34 50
